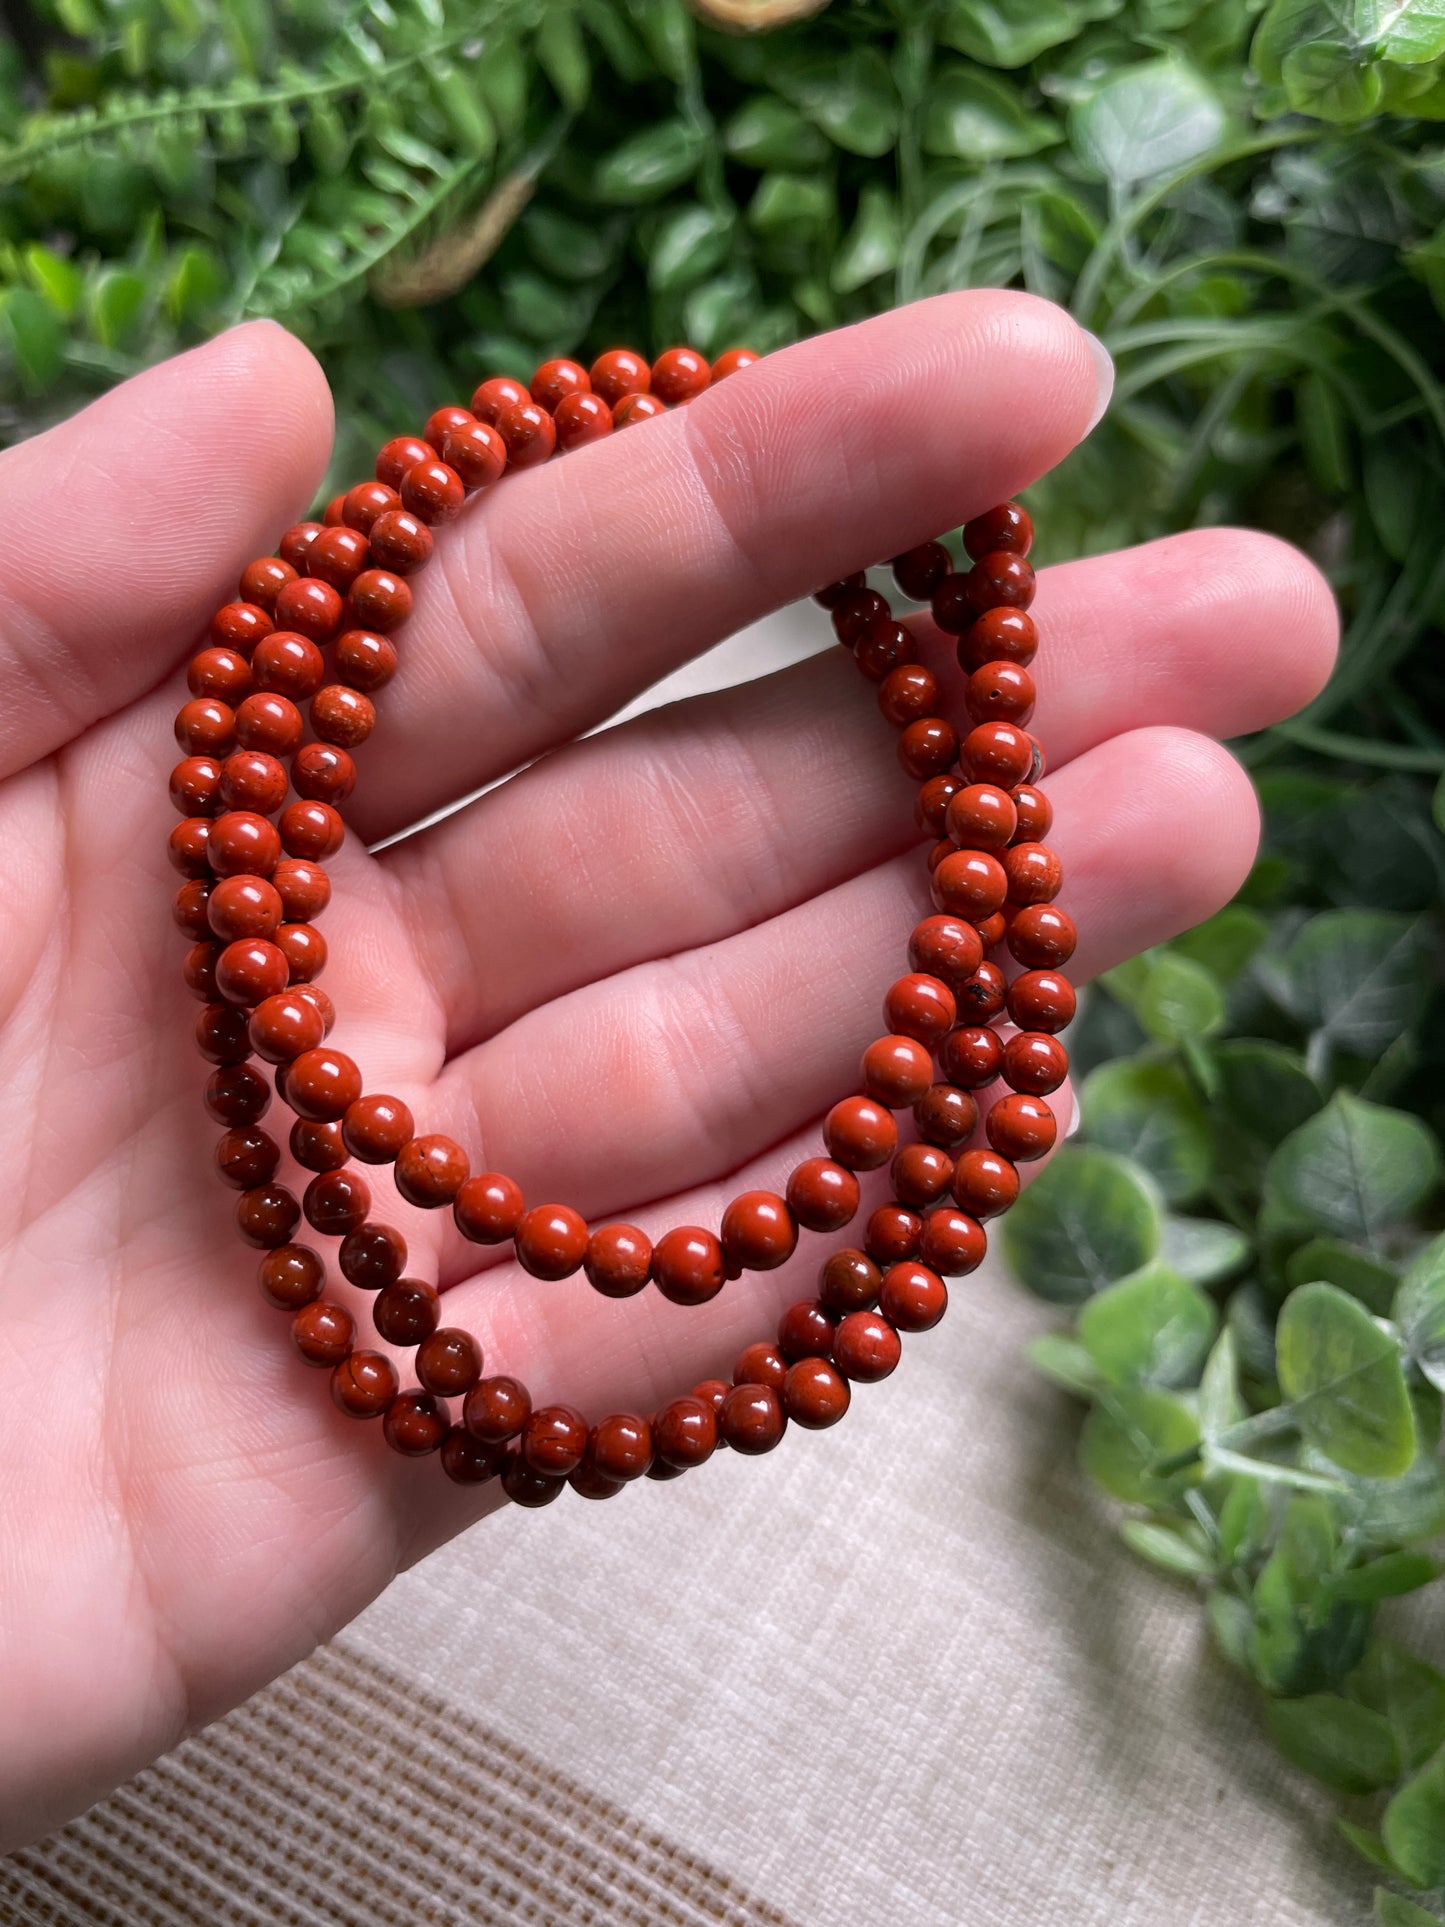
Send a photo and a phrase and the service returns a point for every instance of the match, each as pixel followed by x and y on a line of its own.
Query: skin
pixel 634 977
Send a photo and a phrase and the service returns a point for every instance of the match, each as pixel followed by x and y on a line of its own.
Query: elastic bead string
pixel 283 695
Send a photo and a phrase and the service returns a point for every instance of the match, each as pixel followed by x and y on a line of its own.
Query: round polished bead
pixel 991 929
pixel 221 674
pixel 712 1392
pixel 948 948
pixel 913 1298
pixel 262 580
pixel 906 693
pixel 322 1083
pixel 1042 1000
pixel 337 557
pixel 760 1364
pixel 432 491
pixel 252 780
pixel 221 1034
pixel 551 1241
pixel 196 786
pixel 927 748
pixel 1021 1128
pixel 322 773
pixel 588 1483
pixel 823 1195
pixel 188 847
pixel 952 609
pixel 295 544
pixel 251 970
pixel 336 1202
pixel 477 452
pixel 1008 526
pixel 555 380
pixel 305 949
pixel 860 1133
pixel 400 542
pixel 984 1184
pixel 406 1311
pixel 242 843
pixel 1041 937
pixel 467 1461
pixel 367 503
pixel 529 433
pixel 449 1362
pixel 752 1419
pixel 892 1234
pixel 919 571
pixel 317 1146
pixel 240 626
pixel 311 830
pixel 930 809
pixel 970 884
pixel 237 1094
pixel 833 593
pixel 848 1281
pixel 921 1173
pixel 332 515
pixel 953 1243
pixel 997 753
pixel 945 846
pixel 815 1394
pixel 759 1232
pixel 855 613
pixel 379 600
pixel 303 889
pixel 403 452
pixel 1035 813
pixel 247 1156
pixel 620 1446
pixel 488 1207
pixel 732 361
pixel 415 1424
pixel 372 1256
pixel 289 665
pixel 267 1216
pixel 970 1056
pixel 805 1330
pixel 308 608
pixel 982 997
pixel 205 726
pixel 199 970
pixel 688 1266
pixel 497 1409
pixel 269 724
pixel 1034 872
pixel 945 1116
pixel 1034 1063
pixel 883 647
pixel 323 1333
pixel 291 1276
pixel 684 1432
pixel 896 1071
pixel 1001 579
pixel 364 1385
pixel 998 635
pixel 242 906
pixel 365 661
pixel 618 1260
pixel 554 1439
pixel 581 419
pixel 619 372
pixel 678 375
pixel 526 1486
pixel 865 1347
pixel 314 995
pixel 443 422
pixel 284 1027
pixel 921 1007
pixel 981 817
pixel 1000 692
pixel 431 1170
pixel 636 408
pixel 493 397
pixel 376 1127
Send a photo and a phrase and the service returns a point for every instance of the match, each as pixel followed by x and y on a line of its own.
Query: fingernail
pixel 1103 378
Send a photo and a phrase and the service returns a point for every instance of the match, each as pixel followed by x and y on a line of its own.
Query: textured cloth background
pixel 897 1675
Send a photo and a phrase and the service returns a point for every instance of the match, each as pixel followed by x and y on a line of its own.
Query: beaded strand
pixel 255 882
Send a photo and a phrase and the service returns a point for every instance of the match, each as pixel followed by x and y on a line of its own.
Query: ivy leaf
pixel 1147 1110
pixel 1148 120
pixel 1419 1311
pixel 1358 977
pixel 1131 1432
pixel 1337 1741
pixel 1412 31
pixel 1154 1327
pixel 1328 79
pixel 1088 1219
pixel 1264 1090
pixel 974 117
pixel 1355 1169
pixel 1344 1379
pixel 1414 1825
pixel 1355 1272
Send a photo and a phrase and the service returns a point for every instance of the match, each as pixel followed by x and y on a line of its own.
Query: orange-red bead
pixel 551 1241
pixel 620 372
pixel 688 1265
pixel 678 375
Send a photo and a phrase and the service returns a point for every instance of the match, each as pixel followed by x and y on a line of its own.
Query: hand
pixel 634 977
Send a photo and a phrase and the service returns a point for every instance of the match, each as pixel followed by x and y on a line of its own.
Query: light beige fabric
pixel 900 1675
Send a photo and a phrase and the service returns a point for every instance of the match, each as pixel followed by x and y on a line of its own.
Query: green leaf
pixel 1328 1261
pixel 59 280
pixel 852 99
pixel 870 247
pixel 115 299
pixel 1369 1846
pixel 1296 1644
pixel 1344 1378
pixel 1394 1910
pixel 563 57
pixel 1058 1357
pixel 1203 1249
pixel 650 164
pixel 1224 943
pixel 1008 33
pixel 767 132
pixel 1177 1549
pixel 1414 1825
pixel 1327 78
pixel 32 330
pixel 1409 1692
pixel 1149 120
pixel 1220 1404
pixel 1264 1090
pixel 1232 1625
pixel 1147 1110
pixel 1128 1435
pixel 1154 1327
pixel 791 203
pixel 1179 1000
pixel 1337 1741
pixel 1243 1522
pixel 1419 1311
pixel 1410 31
pixel 1390 1576
pixel 1088 1219
pixel 1358 977
pixel 975 117
pixel 691 242
pixel 1355 1170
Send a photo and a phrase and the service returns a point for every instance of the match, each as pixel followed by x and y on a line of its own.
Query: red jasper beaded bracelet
pixel 255 883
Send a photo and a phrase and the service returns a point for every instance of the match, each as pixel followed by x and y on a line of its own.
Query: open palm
pixel 634 976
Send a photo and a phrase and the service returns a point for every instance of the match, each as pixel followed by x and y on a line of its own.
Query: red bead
pixel 305 949
pixel 998 635
pixel 303 889
pixel 323 1333
pixel 239 626
pixel 366 504
pixel 1000 692
pixel 1042 1000
pixel 252 780
pixel 913 1298
pixel 442 422
pixel 406 1311
pixel 342 716
pixel 636 408
pixel 1021 1128
pixel 892 1234
pixel 311 830
pixel 496 1410
pixel 332 513
pixel 732 361
pixel 372 1256
pixel 620 372
pixel 338 556
pixel 921 1007
pixel 752 1419
pixel 919 571
pixel 289 664
pixel 488 1208
pixel 529 433
pixel 525 1486
pixel 375 1127
pixel 822 1195
pixel 970 1056
pixel 620 1447
pixel 199 971
pixel 678 375
pixel 270 723
pixel 263 579
pixel 401 542
pixel 1035 813
pixel 991 929
pixel 999 753
pixel 945 1115
pixel 1000 579
pixel 205 727
pixel 364 1385
pixel 322 773
pixel 1006 527
pixel 759 1231
pixel 906 693
pixel 318 1146
pixel 223 674
pixel 1034 1063
pixel 365 661
pixel 848 1281
pixel 896 1072
pixel 860 1134
pixel 249 971
pixel 267 1216
pixel 241 843
pixel 805 1331
pixel 760 1364
pixel 322 1083
pixel 865 1347
pixel 221 1034
pixel 467 1461
pixel 815 1394
pixel 952 609
pixel 927 747
pixel 494 397
pixel 433 492
pixel 581 419
pixel 449 1362
pixel 883 647
pixel 947 948
pixel 378 600
pixel 855 613
pixel 309 608
pixel 981 817
pixel 930 811
pixel 554 1439
pixel 833 593
pixel 982 997
pixel 247 1156
pixel 295 544
pixel 921 1173
pixel 684 1432
pixel 336 1202
pixel 196 786
pixel 237 1094
pixel 430 1171
pixel 291 1276
pixel 555 380
pixel 477 452
pixel 399 455
pixel 1034 872
pixel 618 1260
pixel 953 1243
pixel 687 1265
pixel 551 1241
pixel 1040 937
pixel 984 1184
pixel 415 1424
